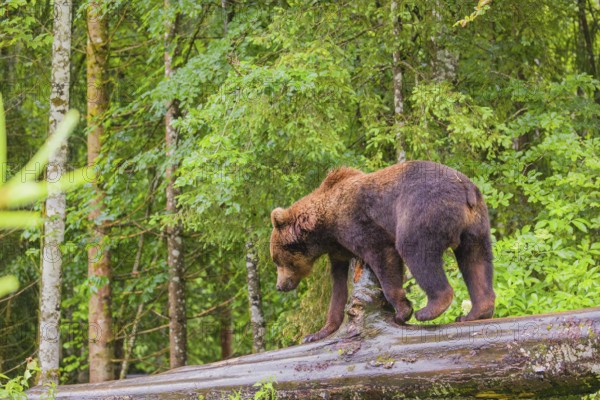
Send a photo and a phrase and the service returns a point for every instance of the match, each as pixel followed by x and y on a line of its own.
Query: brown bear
pixel 406 213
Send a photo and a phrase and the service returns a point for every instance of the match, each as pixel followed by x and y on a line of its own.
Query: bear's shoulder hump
pixel 338 175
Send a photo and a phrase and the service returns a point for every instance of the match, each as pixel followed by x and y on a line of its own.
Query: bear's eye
pixel 295 247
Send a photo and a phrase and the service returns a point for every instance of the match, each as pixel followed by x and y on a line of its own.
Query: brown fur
pixel 407 213
pixel 338 175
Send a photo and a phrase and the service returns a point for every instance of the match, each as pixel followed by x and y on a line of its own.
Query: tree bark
pixel 101 350
pixel 444 61
pixel 173 231
pixel 588 63
pixel 370 357
pixel 397 79
pixel 226 332
pixel 54 224
pixel 129 340
pixel 257 319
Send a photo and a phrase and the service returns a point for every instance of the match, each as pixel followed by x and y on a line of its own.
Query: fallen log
pixel 371 357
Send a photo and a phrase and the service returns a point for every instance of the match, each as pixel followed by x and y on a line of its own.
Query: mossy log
pixel 371 357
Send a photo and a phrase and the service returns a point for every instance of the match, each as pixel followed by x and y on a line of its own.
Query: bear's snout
pixel 286 286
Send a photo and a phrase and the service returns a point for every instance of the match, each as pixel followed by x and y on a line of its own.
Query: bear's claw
pixel 312 338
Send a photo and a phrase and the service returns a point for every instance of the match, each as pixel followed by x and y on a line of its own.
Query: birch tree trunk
pixel 54 224
pixel 101 349
pixel 257 318
pixel 173 231
pixel 444 62
pixel 397 79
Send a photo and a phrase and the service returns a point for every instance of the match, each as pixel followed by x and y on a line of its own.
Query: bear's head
pixel 293 249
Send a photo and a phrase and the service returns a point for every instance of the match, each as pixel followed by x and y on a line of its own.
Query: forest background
pixel 263 99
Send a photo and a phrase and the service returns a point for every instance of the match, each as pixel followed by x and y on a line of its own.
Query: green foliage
pixel 23 23
pixel 594 396
pixel 14 389
pixel 266 391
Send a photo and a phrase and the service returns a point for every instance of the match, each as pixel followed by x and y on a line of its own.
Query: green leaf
pixel 8 284
pixel 40 159
pixel 19 219
pixel 580 225
pixel 20 194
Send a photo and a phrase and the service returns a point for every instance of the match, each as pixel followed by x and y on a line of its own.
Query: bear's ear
pixel 304 223
pixel 279 217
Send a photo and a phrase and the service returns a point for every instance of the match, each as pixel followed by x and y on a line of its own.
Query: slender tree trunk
pixel 444 61
pixel 129 340
pixel 226 19
pixel 257 318
pixel 588 62
pixel 225 316
pixel 397 79
pixel 228 13
pixel 173 231
pixel 54 225
pixel 100 318
pixel 226 332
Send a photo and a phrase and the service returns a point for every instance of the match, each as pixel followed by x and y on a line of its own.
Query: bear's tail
pixel 473 195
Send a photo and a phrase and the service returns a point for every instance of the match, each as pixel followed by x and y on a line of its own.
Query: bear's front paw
pixel 310 338
pixel 314 337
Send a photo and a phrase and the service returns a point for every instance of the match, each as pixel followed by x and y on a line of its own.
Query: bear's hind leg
pixel 474 257
pixel 426 265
